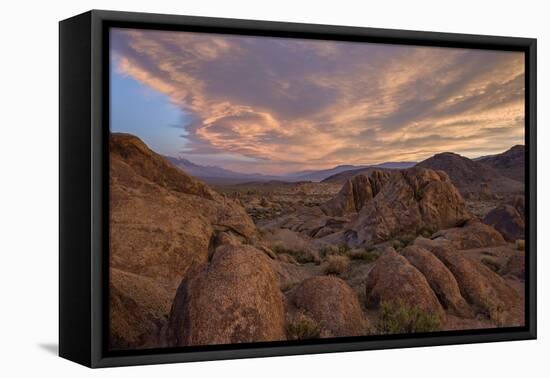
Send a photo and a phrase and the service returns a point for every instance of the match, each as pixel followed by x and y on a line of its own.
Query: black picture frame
pixel 84 186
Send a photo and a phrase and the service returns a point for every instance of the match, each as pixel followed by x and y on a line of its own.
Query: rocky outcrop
pixel 139 309
pixel 413 200
pixel 332 304
pixel 472 178
pixel 508 221
pixel 355 193
pixel 441 280
pixel 285 241
pixel 473 234
pixel 163 223
pixel 482 288
pixel 153 167
pixel 394 279
pixel 234 299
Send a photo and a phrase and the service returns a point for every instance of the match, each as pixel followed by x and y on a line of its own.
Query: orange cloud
pixel 297 104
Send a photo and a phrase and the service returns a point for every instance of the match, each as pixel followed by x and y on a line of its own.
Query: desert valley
pixel 201 255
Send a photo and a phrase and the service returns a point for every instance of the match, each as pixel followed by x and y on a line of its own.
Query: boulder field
pixel 188 266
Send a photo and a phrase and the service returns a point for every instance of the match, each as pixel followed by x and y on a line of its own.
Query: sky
pixel 275 105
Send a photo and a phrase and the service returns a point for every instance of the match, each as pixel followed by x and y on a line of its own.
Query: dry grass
pixel 301 256
pixel 367 256
pixel 303 327
pixel 336 264
pixel 400 318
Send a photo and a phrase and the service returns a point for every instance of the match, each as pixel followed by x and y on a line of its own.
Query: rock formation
pixel 332 304
pixel 510 163
pixel 473 234
pixel 163 223
pixel 139 307
pixel 355 193
pixel 473 179
pixel 482 287
pixel 413 200
pixel 508 221
pixel 395 279
pixel 441 280
pixel 234 299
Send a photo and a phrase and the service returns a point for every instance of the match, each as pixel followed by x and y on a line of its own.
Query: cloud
pixel 289 103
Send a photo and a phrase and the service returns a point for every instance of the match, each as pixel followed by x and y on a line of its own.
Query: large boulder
pixel 473 234
pixel 508 221
pixel 482 287
pixel 393 279
pixel 139 309
pixel 412 201
pixel 234 299
pixel 441 280
pixel 332 304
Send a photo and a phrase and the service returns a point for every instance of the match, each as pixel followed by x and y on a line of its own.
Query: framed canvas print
pixel 234 188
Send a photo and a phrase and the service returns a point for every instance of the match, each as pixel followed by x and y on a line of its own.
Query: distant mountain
pixel 344 176
pixel 221 176
pixel 472 178
pixel 217 175
pixel 396 165
pixel 320 175
pixel 510 163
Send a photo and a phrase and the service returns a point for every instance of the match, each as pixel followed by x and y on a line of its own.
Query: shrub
pixel 491 264
pixel 327 251
pixel 398 317
pixel 520 245
pixel 300 255
pixel 367 256
pixel 343 250
pixel 426 232
pixel 336 264
pixel 302 327
pixel 398 245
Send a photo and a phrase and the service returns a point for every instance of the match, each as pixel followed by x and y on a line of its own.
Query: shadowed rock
pixel 473 234
pixel 515 266
pixel 518 202
pixel 333 304
pixel 510 163
pixel 395 279
pixel 234 299
pixel 508 221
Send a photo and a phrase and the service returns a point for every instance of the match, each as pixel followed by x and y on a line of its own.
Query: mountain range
pixel 502 172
